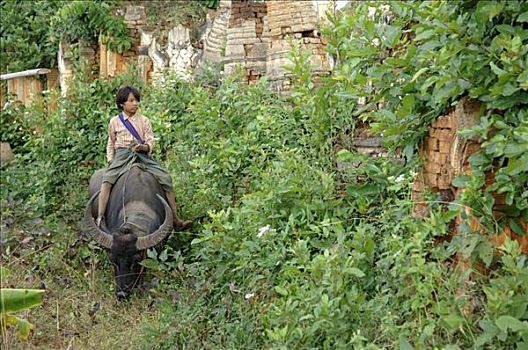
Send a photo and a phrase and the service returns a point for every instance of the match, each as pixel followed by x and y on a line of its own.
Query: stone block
pixel 431 144
pixel 235 51
pixel 418 185
pixel 446 134
pixel 433 168
pixel 442 122
pixel 431 179
pixel 437 157
pixel 435 132
pixel 259 50
pixel 444 182
pixel 444 147
pixel 6 154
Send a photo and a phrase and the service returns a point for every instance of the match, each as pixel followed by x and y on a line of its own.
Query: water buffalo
pixel 137 217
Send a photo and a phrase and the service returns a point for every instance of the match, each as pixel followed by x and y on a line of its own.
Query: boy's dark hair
pixel 122 95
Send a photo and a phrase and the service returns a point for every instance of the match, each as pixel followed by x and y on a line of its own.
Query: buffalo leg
pixel 178 223
pixel 106 187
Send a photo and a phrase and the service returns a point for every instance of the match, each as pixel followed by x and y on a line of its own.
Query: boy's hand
pixel 140 148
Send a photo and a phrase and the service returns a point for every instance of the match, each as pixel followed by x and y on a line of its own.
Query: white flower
pixel 249 296
pixel 263 230
pixel 399 178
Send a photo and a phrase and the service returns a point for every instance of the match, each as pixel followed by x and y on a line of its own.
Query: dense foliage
pixel 26 41
pixel 32 30
pixel 428 57
pixel 288 251
pixel 82 22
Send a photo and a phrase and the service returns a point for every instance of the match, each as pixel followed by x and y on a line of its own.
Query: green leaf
pixel 368 189
pixel 344 155
pixel 404 344
pixel 408 103
pixel 487 10
pixel 451 347
pixel 281 291
pixel 517 165
pixel 164 255
pixel 24 328
pixel 523 17
pixel 516 44
pixel 450 215
pixel 516 227
pixel 490 331
pixel 151 253
pixel 461 181
pixel 507 322
pixel 355 271
pixel 419 73
pixel 13 300
pixel 201 240
pixel 150 264
pixel 392 34
pixel 513 149
pixel 509 89
pixel 453 321
pixel 485 252
pixel 478 160
pixel 424 35
pixel 497 70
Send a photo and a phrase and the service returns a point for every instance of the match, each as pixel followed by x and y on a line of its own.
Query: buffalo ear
pixel 92 230
pixel 159 235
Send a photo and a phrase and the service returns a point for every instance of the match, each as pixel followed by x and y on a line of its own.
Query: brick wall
pixel 297 20
pixel 247 39
pixel 445 155
pixel 258 37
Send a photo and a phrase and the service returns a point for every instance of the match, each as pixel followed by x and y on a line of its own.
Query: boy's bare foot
pixel 181 224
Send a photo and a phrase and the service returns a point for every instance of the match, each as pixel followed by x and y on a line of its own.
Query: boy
pixel 127 146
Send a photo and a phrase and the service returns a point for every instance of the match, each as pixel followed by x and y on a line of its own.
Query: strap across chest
pixel 128 125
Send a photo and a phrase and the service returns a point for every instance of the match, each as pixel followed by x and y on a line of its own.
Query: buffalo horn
pixel 95 232
pixel 157 236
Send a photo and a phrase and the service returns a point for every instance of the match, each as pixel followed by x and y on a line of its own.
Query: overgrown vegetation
pixel 26 41
pixel 32 30
pixel 287 251
pixel 82 22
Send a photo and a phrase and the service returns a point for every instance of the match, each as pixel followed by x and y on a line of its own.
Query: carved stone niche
pixel 156 53
pixel 177 55
pixel 183 55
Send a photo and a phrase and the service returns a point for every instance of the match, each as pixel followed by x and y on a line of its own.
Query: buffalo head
pixel 126 246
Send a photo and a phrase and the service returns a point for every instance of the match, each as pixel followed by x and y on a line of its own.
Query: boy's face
pixel 131 105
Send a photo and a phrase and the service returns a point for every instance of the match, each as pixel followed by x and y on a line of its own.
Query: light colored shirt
pixel 119 136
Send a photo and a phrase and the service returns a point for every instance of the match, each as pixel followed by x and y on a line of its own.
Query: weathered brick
pixel 432 179
pixel 443 122
pixel 432 143
pixel 437 157
pixel 444 147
